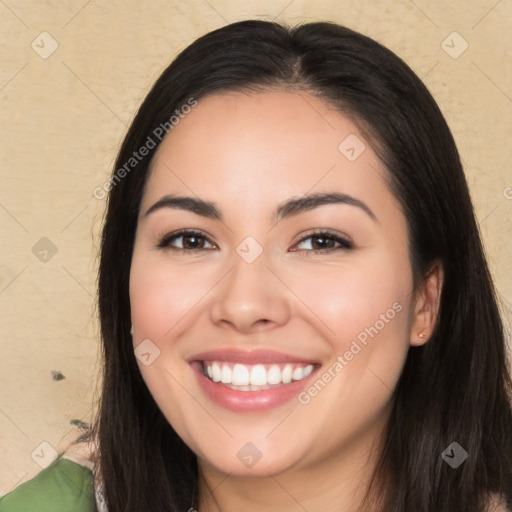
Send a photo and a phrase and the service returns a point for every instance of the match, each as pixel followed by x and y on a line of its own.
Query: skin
pixel 248 153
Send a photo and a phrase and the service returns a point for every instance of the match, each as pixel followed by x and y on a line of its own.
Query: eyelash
pixel 344 244
pixel 165 242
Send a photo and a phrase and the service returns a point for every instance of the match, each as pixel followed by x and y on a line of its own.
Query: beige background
pixel 64 116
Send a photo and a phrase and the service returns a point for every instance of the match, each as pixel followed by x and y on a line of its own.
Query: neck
pixel 338 483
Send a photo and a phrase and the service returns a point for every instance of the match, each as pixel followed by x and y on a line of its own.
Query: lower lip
pixel 250 401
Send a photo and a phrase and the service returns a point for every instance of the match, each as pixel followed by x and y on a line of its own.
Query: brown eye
pixel 324 242
pixel 192 242
pixel 186 240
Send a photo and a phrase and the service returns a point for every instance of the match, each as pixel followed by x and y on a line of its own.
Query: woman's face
pixel 273 331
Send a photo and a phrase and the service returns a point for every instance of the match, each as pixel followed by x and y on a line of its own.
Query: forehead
pixel 264 146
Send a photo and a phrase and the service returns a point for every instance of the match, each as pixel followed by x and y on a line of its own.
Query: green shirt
pixel 64 486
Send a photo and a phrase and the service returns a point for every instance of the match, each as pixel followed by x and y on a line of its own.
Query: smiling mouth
pixel 257 377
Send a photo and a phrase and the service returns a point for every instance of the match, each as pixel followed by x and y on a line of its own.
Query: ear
pixel 426 305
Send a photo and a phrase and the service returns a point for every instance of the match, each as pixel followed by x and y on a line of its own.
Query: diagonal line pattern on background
pixel 13 77
pixel 13 217
pixel 218 13
pixel 14 423
pixel 283 9
pixel 13 279
pixel 424 14
pixel 94 94
pixel 76 14
pixel 488 215
pixel 485 15
pixel 430 70
pixel 492 81
pixel 14 14
pixel 77 281
pixel 74 218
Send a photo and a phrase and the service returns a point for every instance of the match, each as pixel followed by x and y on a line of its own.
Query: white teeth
pixel 225 376
pixel 240 375
pixel 255 377
pixel 274 375
pixel 287 374
pixel 258 375
pixel 298 374
pixel 215 372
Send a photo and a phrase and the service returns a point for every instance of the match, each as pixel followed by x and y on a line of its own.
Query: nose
pixel 250 298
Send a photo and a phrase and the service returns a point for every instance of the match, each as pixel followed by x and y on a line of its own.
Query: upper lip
pixel 254 356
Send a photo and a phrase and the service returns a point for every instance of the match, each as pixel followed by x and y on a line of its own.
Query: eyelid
pixel 164 241
pixel 343 240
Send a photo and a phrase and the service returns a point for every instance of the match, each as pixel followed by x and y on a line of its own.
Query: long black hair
pixel 455 388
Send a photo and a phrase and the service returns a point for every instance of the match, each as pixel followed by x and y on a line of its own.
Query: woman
pixel 295 306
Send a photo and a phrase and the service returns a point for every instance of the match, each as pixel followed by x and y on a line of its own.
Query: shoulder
pixel 63 486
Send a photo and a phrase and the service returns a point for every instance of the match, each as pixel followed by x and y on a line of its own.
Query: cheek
pixel 347 301
pixel 162 301
pixel 363 313
pixel 162 296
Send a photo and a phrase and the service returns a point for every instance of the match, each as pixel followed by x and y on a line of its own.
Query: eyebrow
pixel 289 208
